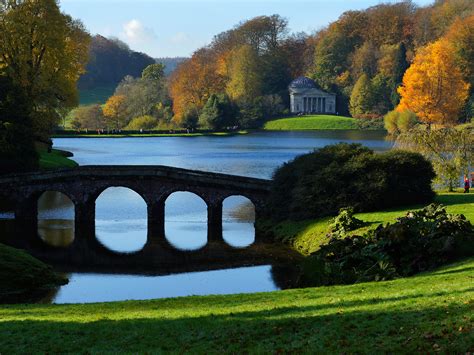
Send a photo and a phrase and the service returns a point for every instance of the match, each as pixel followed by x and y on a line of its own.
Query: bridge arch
pixel 121 227
pixel 238 215
pixel 186 219
pixel 55 218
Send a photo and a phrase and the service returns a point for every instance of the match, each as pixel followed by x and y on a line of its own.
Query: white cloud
pixel 134 32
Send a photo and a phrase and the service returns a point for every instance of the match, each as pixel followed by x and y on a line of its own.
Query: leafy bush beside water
pixel 320 183
pixel 420 241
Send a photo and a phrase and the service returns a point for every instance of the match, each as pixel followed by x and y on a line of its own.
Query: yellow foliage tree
pixel 44 52
pixel 114 111
pixel 244 74
pixel 433 86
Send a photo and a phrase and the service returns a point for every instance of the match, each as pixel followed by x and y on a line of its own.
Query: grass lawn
pixel 98 95
pixel 149 135
pixel 313 122
pixel 55 160
pixel 307 236
pixel 428 313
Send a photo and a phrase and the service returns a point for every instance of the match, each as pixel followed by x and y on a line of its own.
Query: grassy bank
pixel 307 236
pixel 148 135
pixel 24 277
pixel 313 122
pixel 428 313
pixel 56 159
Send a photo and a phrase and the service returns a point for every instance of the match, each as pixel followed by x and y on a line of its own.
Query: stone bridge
pixel 154 184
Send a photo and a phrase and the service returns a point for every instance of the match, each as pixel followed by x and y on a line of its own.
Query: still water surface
pixel 121 213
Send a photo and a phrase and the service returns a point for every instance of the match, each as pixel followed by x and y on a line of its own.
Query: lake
pixel 121 213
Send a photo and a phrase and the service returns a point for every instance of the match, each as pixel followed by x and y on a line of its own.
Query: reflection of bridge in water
pixel 154 184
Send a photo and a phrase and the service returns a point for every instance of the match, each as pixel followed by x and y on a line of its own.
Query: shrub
pixel 398 122
pixel 142 122
pixel 348 175
pixel 420 241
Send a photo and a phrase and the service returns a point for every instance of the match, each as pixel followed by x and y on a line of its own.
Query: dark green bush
pixel 420 241
pixel 348 175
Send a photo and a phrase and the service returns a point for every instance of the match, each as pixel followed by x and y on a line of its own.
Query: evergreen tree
pixel 401 66
pixel 217 113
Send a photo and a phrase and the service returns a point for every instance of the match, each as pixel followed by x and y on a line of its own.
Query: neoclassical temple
pixel 305 97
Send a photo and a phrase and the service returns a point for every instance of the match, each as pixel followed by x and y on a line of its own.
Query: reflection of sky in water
pixel 88 288
pixel 255 154
pixel 121 213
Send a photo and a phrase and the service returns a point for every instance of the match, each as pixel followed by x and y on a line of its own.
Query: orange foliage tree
pixel 433 86
pixel 193 82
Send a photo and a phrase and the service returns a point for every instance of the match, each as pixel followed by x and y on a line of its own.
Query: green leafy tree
pixel 155 72
pixel 450 150
pixel 362 97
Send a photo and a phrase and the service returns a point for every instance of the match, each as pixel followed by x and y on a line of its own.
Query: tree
pixel 88 117
pixel 142 122
pixel 17 150
pixel 154 72
pixel 193 82
pixel 244 75
pixel 450 150
pixel 44 52
pixel 364 60
pixel 217 113
pixel 362 97
pixel 114 110
pixel 433 86
pixel 141 96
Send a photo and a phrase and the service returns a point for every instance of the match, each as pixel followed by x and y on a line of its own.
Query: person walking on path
pixel 466 184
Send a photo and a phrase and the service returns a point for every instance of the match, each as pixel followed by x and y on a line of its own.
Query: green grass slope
pixel 22 276
pixel 98 95
pixel 54 160
pixel 307 236
pixel 429 313
pixel 313 122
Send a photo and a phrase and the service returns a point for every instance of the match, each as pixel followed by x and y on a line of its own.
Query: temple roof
pixel 303 83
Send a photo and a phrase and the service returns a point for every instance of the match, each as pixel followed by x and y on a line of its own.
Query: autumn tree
pixel 44 52
pixel 245 81
pixel 194 81
pixel 433 86
pixel 88 117
pixel 114 111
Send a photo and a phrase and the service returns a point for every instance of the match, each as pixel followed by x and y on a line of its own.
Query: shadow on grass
pixel 455 199
pixel 445 327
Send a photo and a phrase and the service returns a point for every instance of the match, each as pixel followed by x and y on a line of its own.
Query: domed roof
pixel 303 83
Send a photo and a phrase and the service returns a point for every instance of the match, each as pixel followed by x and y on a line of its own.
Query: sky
pixel 172 28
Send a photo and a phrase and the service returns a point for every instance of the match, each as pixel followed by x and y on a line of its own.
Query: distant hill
pixel 170 63
pixel 110 61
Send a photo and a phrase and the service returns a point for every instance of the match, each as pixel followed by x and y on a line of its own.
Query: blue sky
pixel 169 28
